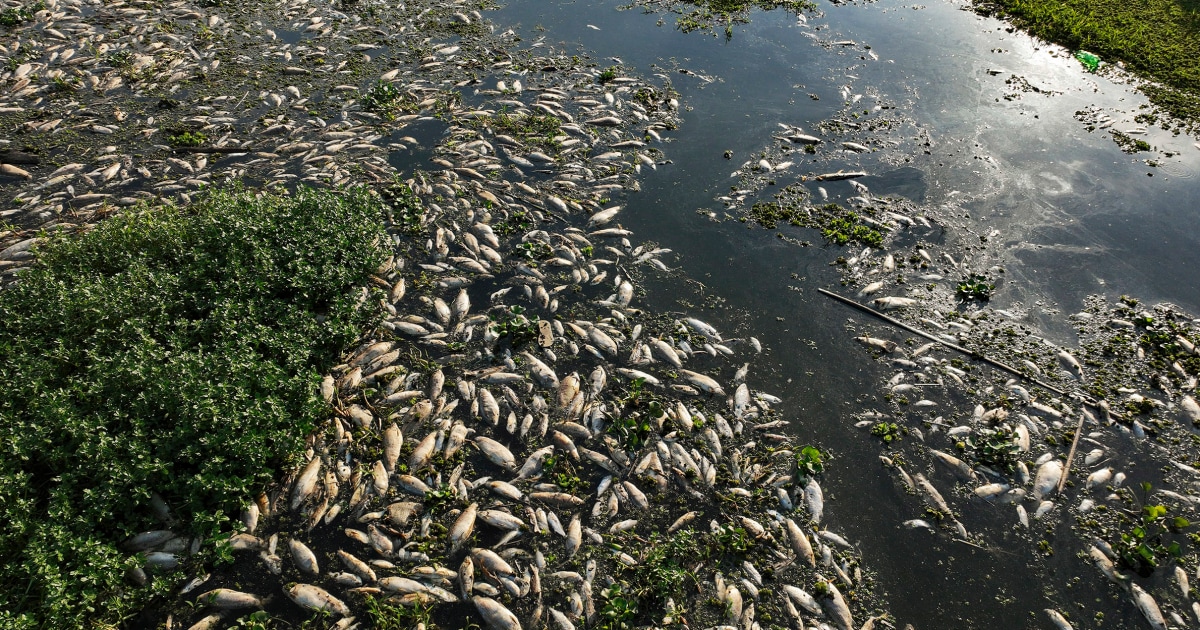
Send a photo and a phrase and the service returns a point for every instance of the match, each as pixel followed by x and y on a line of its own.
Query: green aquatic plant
pixel 170 355
pixel 384 99
pixel 15 16
pixel 994 447
pixel 618 612
pixel 1150 538
pixel 809 461
pixel 849 228
pixel 513 325
pixel 607 75
pixel 187 139
pixel 975 287
pixel 887 431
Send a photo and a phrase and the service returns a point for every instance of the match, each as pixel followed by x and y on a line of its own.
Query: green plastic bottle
pixel 1089 61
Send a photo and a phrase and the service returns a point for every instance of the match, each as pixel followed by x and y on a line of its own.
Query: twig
pixel 970 544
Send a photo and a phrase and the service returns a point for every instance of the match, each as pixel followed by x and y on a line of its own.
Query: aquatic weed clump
pixel 171 352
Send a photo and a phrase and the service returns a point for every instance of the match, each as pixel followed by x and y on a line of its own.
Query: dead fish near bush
pixel 467 445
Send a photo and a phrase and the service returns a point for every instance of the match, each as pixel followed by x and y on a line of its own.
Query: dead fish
pixel 228 599
pixel 893 302
pixel 496 452
pixel 463 526
pixel 991 490
pixel 393 440
pixel 1148 607
pixel 932 496
pixel 960 468
pixel 1046 481
pixel 306 482
pixel 495 614
pixel 1106 566
pixel 881 344
pixel 1068 361
pixel 704 383
pixel 802 599
pixel 800 543
pixel 1099 478
pixel 870 288
pixel 317 598
pixel 835 606
pixel 1058 620
pixel 682 521
pixel 814 499
pixel 1191 409
pixel 304 558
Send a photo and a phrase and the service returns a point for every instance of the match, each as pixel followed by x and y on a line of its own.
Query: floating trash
pixel 1089 60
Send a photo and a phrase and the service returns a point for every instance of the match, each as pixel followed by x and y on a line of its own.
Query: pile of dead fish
pixel 230 99
pixel 430 486
pixel 512 353
pixel 963 437
pixel 995 437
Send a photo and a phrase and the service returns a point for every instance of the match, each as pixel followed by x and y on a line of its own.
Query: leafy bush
pixel 170 351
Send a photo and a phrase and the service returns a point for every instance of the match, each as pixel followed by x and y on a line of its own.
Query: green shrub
pixel 173 351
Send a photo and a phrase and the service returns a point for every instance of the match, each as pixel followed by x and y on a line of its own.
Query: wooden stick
pixel 1071 453
pixel 971 353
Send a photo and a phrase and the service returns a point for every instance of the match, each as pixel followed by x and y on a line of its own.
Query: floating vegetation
pixel 844 227
pixel 975 287
pixel 384 99
pixel 187 139
pixel 838 225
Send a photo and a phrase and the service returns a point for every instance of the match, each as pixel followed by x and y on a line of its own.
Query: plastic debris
pixel 1089 60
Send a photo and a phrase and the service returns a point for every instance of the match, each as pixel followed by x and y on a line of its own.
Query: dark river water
pixel 1067 214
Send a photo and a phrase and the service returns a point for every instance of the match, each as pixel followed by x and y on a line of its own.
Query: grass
pixel 172 352
pixel 1156 39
